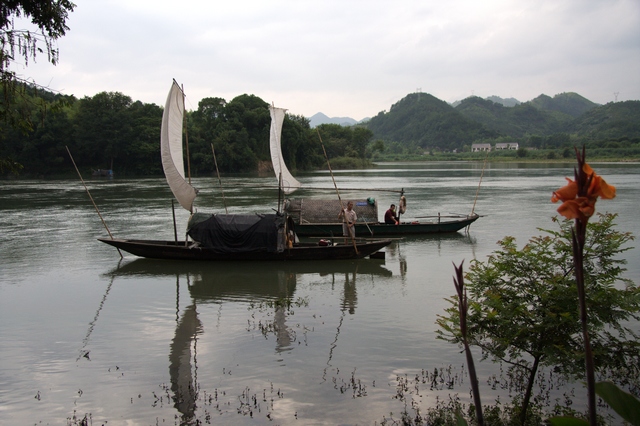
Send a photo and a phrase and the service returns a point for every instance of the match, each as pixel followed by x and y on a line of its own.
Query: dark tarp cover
pixel 227 233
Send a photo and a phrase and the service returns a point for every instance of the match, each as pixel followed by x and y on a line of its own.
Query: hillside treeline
pixel 420 122
pixel 109 130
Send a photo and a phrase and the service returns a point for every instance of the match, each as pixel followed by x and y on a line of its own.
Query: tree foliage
pixel 523 309
pixel 109 130
pixel 568 119
pixel 24 45
pixel 18 98
pixel 423 120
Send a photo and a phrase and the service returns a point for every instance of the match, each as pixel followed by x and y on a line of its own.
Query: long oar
pixel 353 238
pixel 219 181
pixel 91 198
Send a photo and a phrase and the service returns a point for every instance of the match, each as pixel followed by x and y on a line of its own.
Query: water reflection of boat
pixel 224 282
pixel 247 277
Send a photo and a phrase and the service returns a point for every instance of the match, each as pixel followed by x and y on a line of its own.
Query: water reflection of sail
pixel 181 371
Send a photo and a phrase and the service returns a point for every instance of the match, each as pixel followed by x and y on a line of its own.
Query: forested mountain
pixel 509 102
pixel 570 104
pixel 110 130
pixel 421 120
pixel 516 121
pixel 613 121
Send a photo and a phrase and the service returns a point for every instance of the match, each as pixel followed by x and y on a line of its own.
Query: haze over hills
pixel 319 118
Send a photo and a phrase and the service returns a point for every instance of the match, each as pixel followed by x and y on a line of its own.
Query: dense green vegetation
pixel 109 130
pixel 553 125
pixel 523 307
pixel 21 46
pixel 422 121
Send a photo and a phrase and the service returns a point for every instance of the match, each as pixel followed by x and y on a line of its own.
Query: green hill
pixel 613 121
pixel 424 121
pixel 516 121
pixel 569 103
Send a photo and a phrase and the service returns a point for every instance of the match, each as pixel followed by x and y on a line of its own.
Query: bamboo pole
pixel 91 198
pixel 175 228
pixel 186 132
pixel 219 180
pixel 353 238
pixel 481 175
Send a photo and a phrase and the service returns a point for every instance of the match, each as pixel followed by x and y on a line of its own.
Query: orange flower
pixel 567 192
pixel 578 208
pixel 582 207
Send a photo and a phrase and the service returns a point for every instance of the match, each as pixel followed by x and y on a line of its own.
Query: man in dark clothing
pixel 390 215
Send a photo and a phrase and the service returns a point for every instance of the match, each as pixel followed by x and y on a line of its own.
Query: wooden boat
pixel 181 250
pixel 318 218
pixel 226 236
pixel 102 173
pixel 442 225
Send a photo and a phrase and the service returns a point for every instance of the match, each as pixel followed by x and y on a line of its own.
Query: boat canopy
pixel 171 148
pixel 287 181
pixel 234 233
pixel 309 211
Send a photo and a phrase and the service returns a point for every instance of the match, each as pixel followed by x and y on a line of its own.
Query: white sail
pixel 171 148
pixel 289 183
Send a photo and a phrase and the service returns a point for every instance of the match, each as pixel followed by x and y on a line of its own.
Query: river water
pixel 142 342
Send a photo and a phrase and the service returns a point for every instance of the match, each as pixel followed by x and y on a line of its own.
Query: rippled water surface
pixel 142 342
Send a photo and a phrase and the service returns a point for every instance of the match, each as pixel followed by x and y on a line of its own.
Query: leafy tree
pixel 103 129
pixel 360 139
pixel 50 18
pixel 522 306
pixel 143 144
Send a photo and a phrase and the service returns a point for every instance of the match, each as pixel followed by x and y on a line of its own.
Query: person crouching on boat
pixel 390 217
pixel 349 218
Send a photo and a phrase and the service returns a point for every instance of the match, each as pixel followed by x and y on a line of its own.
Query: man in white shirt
pixel 349 218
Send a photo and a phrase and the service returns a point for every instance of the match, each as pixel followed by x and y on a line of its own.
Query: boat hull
pixel 155 249
pixel 384 230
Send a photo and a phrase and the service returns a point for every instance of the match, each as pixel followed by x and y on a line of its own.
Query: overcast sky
pixel 348 58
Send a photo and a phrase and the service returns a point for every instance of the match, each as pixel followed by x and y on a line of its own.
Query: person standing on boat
pixel 390 216
pixel 349 218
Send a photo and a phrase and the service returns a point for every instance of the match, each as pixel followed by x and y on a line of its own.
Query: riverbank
pixel 510 157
